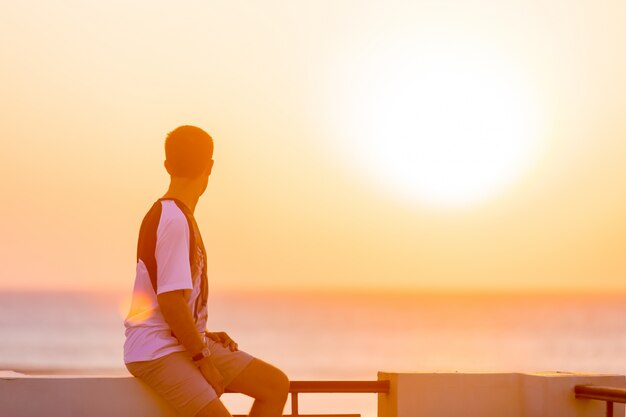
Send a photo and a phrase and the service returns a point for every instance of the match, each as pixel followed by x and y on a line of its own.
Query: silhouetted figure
pixel 167 343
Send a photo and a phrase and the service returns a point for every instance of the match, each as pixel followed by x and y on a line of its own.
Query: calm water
pixel 337 336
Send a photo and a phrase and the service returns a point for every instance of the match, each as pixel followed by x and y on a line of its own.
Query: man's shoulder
pixel 164 209
pixel 163 213
pixel 170 212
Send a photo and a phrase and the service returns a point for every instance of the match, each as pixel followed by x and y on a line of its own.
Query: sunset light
pixel 396 146
pixel 442 122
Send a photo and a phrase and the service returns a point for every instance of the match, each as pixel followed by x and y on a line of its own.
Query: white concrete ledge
pixel 411 395
pixel 546 394
pixel 78 396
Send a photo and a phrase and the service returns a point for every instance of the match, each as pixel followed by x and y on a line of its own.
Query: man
pixel 167 343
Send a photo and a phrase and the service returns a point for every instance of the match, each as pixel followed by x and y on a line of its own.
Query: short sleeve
pixel 172 253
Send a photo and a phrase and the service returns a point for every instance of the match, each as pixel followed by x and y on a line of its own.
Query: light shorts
pixel 177 379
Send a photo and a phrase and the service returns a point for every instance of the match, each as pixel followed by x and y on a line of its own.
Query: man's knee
pixel 279 385
pixel 275 386
pixel 262 381
pixel 214 409
pixel 283 383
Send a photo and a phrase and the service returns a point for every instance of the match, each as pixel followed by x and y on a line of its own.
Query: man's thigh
pixel 178 380
pixel 230 364
pixel 260 380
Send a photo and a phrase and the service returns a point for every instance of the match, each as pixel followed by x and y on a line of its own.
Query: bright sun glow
pixel 443 123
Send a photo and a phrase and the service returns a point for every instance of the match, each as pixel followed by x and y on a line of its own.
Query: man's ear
pixel 167 166
pixel 209 167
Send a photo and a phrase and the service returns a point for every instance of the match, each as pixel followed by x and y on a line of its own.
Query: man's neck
pixel 184 192
pixel 189 201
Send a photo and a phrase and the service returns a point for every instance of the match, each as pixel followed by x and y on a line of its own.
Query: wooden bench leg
pixel 294 404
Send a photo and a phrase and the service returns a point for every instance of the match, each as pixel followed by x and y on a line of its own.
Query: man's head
pixel 188 152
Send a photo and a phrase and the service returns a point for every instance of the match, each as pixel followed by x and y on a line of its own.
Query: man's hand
pixel 211 374
pixel 223 338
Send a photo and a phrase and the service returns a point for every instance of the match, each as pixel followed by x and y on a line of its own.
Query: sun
pixel 443 123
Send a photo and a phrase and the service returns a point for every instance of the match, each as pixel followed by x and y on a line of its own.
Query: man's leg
pixel 268 385
pixel 214 409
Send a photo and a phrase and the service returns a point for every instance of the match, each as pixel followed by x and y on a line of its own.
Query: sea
pixel 335 336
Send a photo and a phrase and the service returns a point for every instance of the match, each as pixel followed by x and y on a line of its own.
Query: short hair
pixel 188 150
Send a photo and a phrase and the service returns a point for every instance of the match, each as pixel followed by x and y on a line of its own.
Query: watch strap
pixel 203 354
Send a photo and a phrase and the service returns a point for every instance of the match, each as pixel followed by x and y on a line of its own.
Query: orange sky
pixel 89 90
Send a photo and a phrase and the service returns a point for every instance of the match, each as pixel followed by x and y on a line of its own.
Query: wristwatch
pixel 203 354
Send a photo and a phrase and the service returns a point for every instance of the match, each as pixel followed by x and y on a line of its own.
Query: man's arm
pixel 178 316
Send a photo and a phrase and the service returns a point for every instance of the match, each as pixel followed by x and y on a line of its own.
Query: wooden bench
pixel 609 394
pixel 302 387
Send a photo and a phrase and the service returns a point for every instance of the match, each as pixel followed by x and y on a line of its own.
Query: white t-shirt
pixel 165 263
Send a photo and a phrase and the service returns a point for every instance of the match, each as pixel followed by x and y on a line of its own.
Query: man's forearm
pixel 178 316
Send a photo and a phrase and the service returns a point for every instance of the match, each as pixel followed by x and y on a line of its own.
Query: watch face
pixel 206 352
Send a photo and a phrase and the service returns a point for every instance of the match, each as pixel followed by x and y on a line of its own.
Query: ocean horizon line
pixel 332 292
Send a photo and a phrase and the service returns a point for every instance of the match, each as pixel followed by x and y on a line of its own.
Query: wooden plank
pixel 597 392
pixel 340 386
pixel 309 415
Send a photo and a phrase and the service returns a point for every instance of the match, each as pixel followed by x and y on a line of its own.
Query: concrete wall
pixel 78 396
pixel 412 395
pixel 492 395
